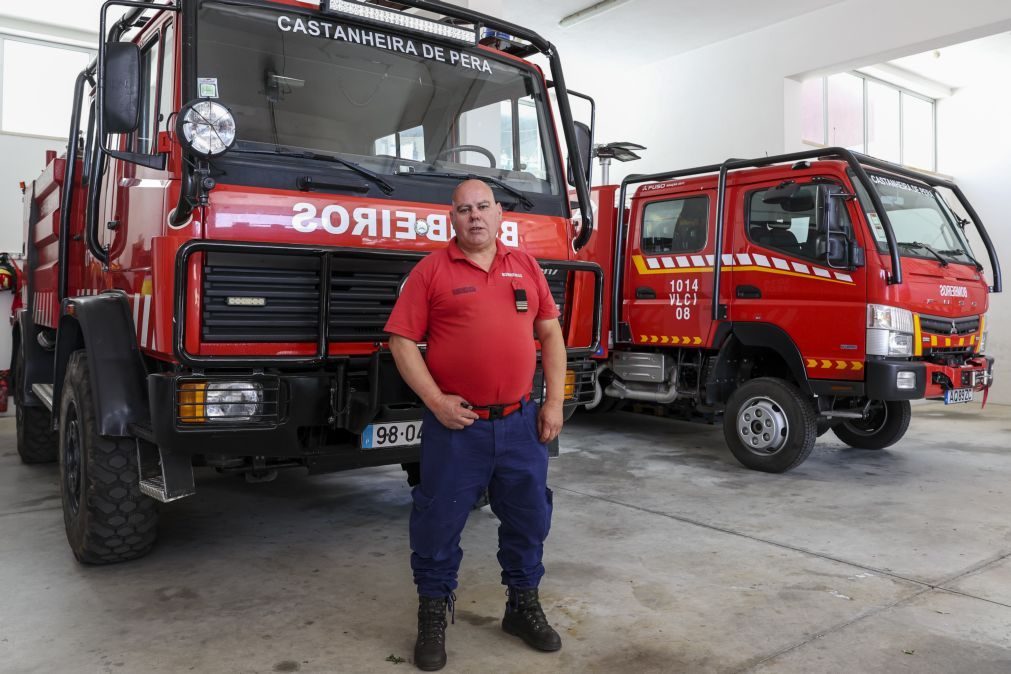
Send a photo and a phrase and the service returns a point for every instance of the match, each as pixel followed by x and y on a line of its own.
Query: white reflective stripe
pixel 761 260
pixel 652 263
pixel 780 264
pixel 147 314
pixel 744 259
pixel 667 262
pixel 844 277
pixel 698 261
pixel 683 261
pixel 802 268
pixel 818 271
pixel 728 260
pixel 711 260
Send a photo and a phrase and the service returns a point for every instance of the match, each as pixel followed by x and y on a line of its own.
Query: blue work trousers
pixel 506 457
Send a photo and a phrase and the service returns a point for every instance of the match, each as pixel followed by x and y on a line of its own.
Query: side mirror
pixel 584 140
pixel 834 249
pixel 121 97
pixel 791 197
pixel 834 244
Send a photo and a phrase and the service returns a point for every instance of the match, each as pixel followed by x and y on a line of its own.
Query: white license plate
pixel 957 395
pixel 396 434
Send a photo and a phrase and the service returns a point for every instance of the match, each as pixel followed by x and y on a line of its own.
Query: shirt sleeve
pixel 546 307
pixel 409 317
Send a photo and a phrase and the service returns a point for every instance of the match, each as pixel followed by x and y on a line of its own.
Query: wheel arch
pixel 103 326
pixel 771 344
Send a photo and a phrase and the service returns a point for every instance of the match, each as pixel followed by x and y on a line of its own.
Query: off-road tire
pixel 877 433
pixel 37 442
pixel 107 518
pixel 795 413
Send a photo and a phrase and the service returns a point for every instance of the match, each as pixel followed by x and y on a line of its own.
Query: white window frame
pixel 902 91
pixel 54 44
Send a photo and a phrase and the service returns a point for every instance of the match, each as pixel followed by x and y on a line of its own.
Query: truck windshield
pixel 922 221
pixel 395 104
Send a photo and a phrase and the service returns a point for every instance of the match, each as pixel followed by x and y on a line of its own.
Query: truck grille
pixel 558 282
pixel 937 325
pixel 276 298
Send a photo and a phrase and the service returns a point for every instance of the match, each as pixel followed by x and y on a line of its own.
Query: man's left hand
pixel 549 421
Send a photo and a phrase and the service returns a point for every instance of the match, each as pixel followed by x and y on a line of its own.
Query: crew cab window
pixel 794 233
pixel 675 226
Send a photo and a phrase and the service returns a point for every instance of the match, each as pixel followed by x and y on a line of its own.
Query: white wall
pixel 974 146
pixel 23 159
pixel 729 99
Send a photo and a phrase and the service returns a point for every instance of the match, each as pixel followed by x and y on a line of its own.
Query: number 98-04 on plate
pixel 394 434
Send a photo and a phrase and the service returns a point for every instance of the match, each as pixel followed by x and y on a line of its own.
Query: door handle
pixel 644 293
pixel 748 293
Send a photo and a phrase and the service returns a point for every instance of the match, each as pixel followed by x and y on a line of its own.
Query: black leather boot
pixel 524 618
pixel 430 648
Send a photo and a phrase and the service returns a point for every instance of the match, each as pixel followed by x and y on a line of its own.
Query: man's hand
pixel 549 421
pixel 451 413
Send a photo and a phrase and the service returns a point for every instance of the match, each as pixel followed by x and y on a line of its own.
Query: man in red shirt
pixel 476 304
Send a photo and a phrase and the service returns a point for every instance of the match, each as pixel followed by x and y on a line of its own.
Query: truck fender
pixel 737 338
pixel 103 325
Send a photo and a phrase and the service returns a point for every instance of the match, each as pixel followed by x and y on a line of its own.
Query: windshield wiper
pixel 957 251
pixel 917 244
pixel 357 168
pixel 473 176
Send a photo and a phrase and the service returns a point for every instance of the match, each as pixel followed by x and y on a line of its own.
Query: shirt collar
pixel 501 250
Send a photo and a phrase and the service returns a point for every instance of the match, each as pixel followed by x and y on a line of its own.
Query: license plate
pixel 396 434
pixel 957 395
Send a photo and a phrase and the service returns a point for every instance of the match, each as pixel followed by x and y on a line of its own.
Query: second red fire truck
pixel 792 295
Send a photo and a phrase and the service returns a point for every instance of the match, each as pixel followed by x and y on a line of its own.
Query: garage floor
pixel 665 556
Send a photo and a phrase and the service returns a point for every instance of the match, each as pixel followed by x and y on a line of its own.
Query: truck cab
pixel 792 295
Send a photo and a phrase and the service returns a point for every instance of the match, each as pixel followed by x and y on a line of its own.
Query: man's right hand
pixel 451 413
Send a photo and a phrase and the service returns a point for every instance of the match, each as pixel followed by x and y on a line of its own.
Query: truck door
pixel 669 272
pixel 781 277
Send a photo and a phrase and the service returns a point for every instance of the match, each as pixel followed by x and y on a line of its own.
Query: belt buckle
pixel 495 412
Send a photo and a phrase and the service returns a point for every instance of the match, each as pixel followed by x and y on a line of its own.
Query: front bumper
pixel 931 379
pixel 311 418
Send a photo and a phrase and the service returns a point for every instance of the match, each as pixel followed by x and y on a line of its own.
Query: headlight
pixel 234 400
pixel 206 128
pixel 889 331
pixel 889 318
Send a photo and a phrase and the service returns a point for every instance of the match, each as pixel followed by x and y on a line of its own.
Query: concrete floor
pixel 665 556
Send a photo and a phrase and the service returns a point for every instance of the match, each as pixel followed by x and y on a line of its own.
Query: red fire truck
pixel 845 286
pixel 210 266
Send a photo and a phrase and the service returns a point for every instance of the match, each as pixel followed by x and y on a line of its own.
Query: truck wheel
pixel 769 425
pixel 107 518
pixel 37 442
pixel 887 423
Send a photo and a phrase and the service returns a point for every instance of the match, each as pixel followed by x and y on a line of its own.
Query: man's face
pixel 475 215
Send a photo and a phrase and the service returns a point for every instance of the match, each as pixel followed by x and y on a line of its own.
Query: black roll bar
pixel 856 161
pixel 69 175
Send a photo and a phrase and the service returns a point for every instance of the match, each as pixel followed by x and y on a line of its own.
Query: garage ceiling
pixel 982 61
pixel 640 31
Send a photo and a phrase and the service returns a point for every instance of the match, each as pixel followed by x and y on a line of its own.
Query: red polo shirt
pixel 479 346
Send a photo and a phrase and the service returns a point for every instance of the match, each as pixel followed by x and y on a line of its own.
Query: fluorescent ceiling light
pixel 590 12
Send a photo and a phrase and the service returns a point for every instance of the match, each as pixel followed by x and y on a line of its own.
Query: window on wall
pixel 861 113
pixel 21 110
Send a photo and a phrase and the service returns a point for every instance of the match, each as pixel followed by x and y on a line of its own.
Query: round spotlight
pixel 206 128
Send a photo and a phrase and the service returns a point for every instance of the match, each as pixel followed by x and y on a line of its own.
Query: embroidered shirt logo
pixel 464 290
pixel 511 274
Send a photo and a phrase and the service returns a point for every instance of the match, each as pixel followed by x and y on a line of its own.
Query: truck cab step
pixel 164 476
pixel 44 392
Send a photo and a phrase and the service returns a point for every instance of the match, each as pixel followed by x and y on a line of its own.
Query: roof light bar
pixel 392 18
